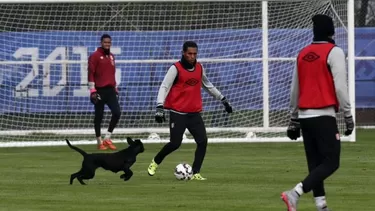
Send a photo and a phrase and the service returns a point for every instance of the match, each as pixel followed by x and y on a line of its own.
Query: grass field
pixel 240 177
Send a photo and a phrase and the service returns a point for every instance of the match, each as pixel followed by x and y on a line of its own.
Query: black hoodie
pixel 323 28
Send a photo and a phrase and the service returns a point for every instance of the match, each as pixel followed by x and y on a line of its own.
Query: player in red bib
pixel 103 91
pixel 319 89
pixel 180 93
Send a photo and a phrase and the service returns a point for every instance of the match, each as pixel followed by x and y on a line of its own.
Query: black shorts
pixel 178 123
pixel 321 137
pixel 108 95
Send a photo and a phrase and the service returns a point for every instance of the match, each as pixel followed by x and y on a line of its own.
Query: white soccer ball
pixel 251 135
pixel 153 136
pixel 183 171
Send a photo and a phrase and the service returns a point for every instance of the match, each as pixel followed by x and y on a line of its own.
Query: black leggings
pixel 108 96
pixel 178 124
pixel 322 147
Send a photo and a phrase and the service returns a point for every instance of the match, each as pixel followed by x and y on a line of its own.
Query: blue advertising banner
pixel 32 81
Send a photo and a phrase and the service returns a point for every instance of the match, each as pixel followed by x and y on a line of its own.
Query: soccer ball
pixel 154 136
pixel 251 135
pixel 183 171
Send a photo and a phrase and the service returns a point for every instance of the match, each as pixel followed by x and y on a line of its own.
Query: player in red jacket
pixel 103 90
pixel 319 89
pixel 180 92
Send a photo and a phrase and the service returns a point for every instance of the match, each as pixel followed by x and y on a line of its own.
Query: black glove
pixel 294 129
pixel 94 97
pixel 228 107
pixel 159 114
pixel 349 125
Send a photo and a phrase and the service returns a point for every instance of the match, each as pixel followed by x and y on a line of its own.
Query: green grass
pixel 240 177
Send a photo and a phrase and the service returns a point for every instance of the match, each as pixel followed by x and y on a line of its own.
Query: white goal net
pixel 247 47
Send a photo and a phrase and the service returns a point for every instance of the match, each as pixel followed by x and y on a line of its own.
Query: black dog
pixel 115 162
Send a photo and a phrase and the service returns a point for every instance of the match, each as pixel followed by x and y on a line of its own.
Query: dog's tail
pixel 83 153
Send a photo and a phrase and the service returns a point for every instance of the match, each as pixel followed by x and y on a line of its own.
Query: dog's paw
pixel 126 177
pixel 122 176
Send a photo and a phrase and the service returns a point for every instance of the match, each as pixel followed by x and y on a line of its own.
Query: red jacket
pixel 185 95
pixel 316 85
pixel 101 69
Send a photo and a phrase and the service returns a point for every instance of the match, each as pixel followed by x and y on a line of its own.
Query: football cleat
pixel 152 168
pixel 291 199
pixel 108 143
pixel 198 177
pixel 323 209
pixel 102 147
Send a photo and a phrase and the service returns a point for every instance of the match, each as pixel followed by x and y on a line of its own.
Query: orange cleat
pixel 108 143
pixel 102 147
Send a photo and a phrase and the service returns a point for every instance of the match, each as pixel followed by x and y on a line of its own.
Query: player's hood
pixel 323 28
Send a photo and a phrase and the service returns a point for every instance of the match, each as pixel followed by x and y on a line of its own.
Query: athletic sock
pixel 107 136
pixel 99 140
pixel 320 202
pixel 299 189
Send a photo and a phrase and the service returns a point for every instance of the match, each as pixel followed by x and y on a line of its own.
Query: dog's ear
pixel 130 141
pixel 138 141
